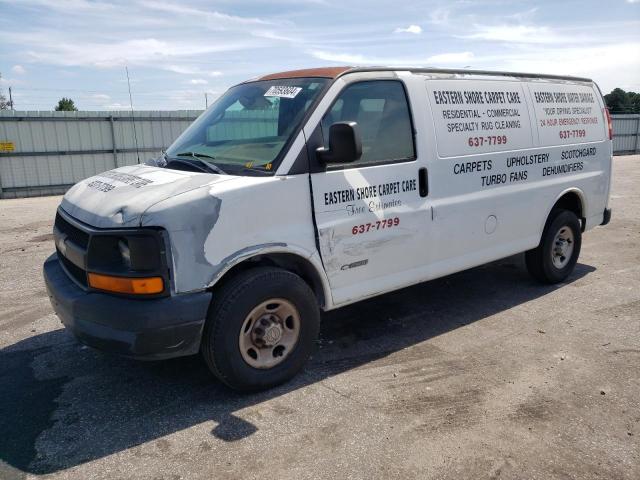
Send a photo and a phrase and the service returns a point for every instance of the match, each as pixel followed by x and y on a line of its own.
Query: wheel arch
pixel 306 267
pixel 572 199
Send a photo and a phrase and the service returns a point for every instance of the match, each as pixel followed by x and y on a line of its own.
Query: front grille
pixel 72 232
pixel 79 237
pixel 78 274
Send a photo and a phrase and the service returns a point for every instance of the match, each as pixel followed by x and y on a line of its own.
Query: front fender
pixel 246 254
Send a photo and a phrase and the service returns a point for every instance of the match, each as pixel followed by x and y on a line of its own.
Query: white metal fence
pixel 44 153
pixel 626 133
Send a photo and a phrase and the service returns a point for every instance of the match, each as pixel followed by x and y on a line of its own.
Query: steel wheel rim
pixel 562 248
pixel 269 333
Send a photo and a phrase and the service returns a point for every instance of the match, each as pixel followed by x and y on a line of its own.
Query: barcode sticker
pixel 282 91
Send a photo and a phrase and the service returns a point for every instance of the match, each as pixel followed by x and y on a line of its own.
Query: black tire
pixel 232 303
pixel 540 260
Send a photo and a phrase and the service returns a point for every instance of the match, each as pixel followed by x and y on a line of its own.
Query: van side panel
pixel 507 150
pixel 495 171
pixel 479 208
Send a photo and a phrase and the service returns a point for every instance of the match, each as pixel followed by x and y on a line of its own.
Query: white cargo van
pixel 312 189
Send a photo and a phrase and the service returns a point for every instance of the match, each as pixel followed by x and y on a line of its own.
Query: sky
pixel 176 51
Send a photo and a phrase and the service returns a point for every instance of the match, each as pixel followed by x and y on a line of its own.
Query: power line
pixel 70 90
pixel 105 92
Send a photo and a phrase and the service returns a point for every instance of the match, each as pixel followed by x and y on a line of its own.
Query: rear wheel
pixel 261 328
pixel 556 256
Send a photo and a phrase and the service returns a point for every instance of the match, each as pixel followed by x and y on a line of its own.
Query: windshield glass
pixel 247 128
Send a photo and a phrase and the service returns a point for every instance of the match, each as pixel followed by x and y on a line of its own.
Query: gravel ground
pixel 482 374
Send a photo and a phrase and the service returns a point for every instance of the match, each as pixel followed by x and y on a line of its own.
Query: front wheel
pixel 557 254
pixel 261 328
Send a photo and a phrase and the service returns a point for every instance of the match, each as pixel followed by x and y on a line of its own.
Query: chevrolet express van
pixel 312 189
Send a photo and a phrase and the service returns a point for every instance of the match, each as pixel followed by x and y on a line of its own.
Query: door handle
pixel 423 182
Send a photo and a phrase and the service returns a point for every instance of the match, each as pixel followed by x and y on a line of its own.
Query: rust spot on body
pixel 327 72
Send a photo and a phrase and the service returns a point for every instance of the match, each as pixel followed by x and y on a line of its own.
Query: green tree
pixel 619 101
pixel 4 103
pixel 635 101
pixel 66 105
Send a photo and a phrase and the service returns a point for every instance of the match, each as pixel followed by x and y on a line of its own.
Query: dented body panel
pixel 202 252
pixel 119 197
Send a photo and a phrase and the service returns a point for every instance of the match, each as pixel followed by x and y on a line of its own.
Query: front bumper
pixel 149 329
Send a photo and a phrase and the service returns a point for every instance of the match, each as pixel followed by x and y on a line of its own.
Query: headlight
pixel 129 261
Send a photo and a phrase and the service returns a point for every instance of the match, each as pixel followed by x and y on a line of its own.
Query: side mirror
pixel 345 144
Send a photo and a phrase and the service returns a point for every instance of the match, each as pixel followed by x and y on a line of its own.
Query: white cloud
pixel 603 64
pixel 219 19
pixel 47 47
pixel 602 67
pixel 190 70
pixel 64 5
pixel 117 106
pixel 516 34
pixel 415 29
pixel 181 69
pixel 168 44
pixel 198 81
pixel 18 70
pixel 340 57
pixel 524 16
pixel 355 59
pixel 458 57
pixel 271 35
pixel 439 16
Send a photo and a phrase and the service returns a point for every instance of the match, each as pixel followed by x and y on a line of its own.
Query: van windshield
pixel 246 129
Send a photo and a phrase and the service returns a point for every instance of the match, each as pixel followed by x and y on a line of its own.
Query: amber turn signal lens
pixel 136 286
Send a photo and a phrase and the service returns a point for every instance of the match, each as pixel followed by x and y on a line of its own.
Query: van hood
pixel 118 198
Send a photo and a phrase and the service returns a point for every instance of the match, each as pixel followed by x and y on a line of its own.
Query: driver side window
pixel 381 111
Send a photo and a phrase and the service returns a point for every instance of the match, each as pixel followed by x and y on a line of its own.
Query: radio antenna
pixel 133 118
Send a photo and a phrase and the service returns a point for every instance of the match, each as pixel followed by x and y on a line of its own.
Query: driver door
pixel 372 214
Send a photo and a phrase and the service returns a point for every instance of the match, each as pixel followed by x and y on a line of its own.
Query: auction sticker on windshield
pixel 282 91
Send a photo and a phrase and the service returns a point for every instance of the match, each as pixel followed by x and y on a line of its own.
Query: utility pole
pixel 206 101
pixel 10 99
pixel 133 118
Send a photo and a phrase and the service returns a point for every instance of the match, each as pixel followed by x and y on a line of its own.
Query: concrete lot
pixel 483 374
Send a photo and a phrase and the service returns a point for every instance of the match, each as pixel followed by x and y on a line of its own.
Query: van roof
pixel 335 72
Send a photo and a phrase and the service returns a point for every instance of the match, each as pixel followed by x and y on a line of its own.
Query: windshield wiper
pixel 195 154
pixel 199 164
pixel 210 167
